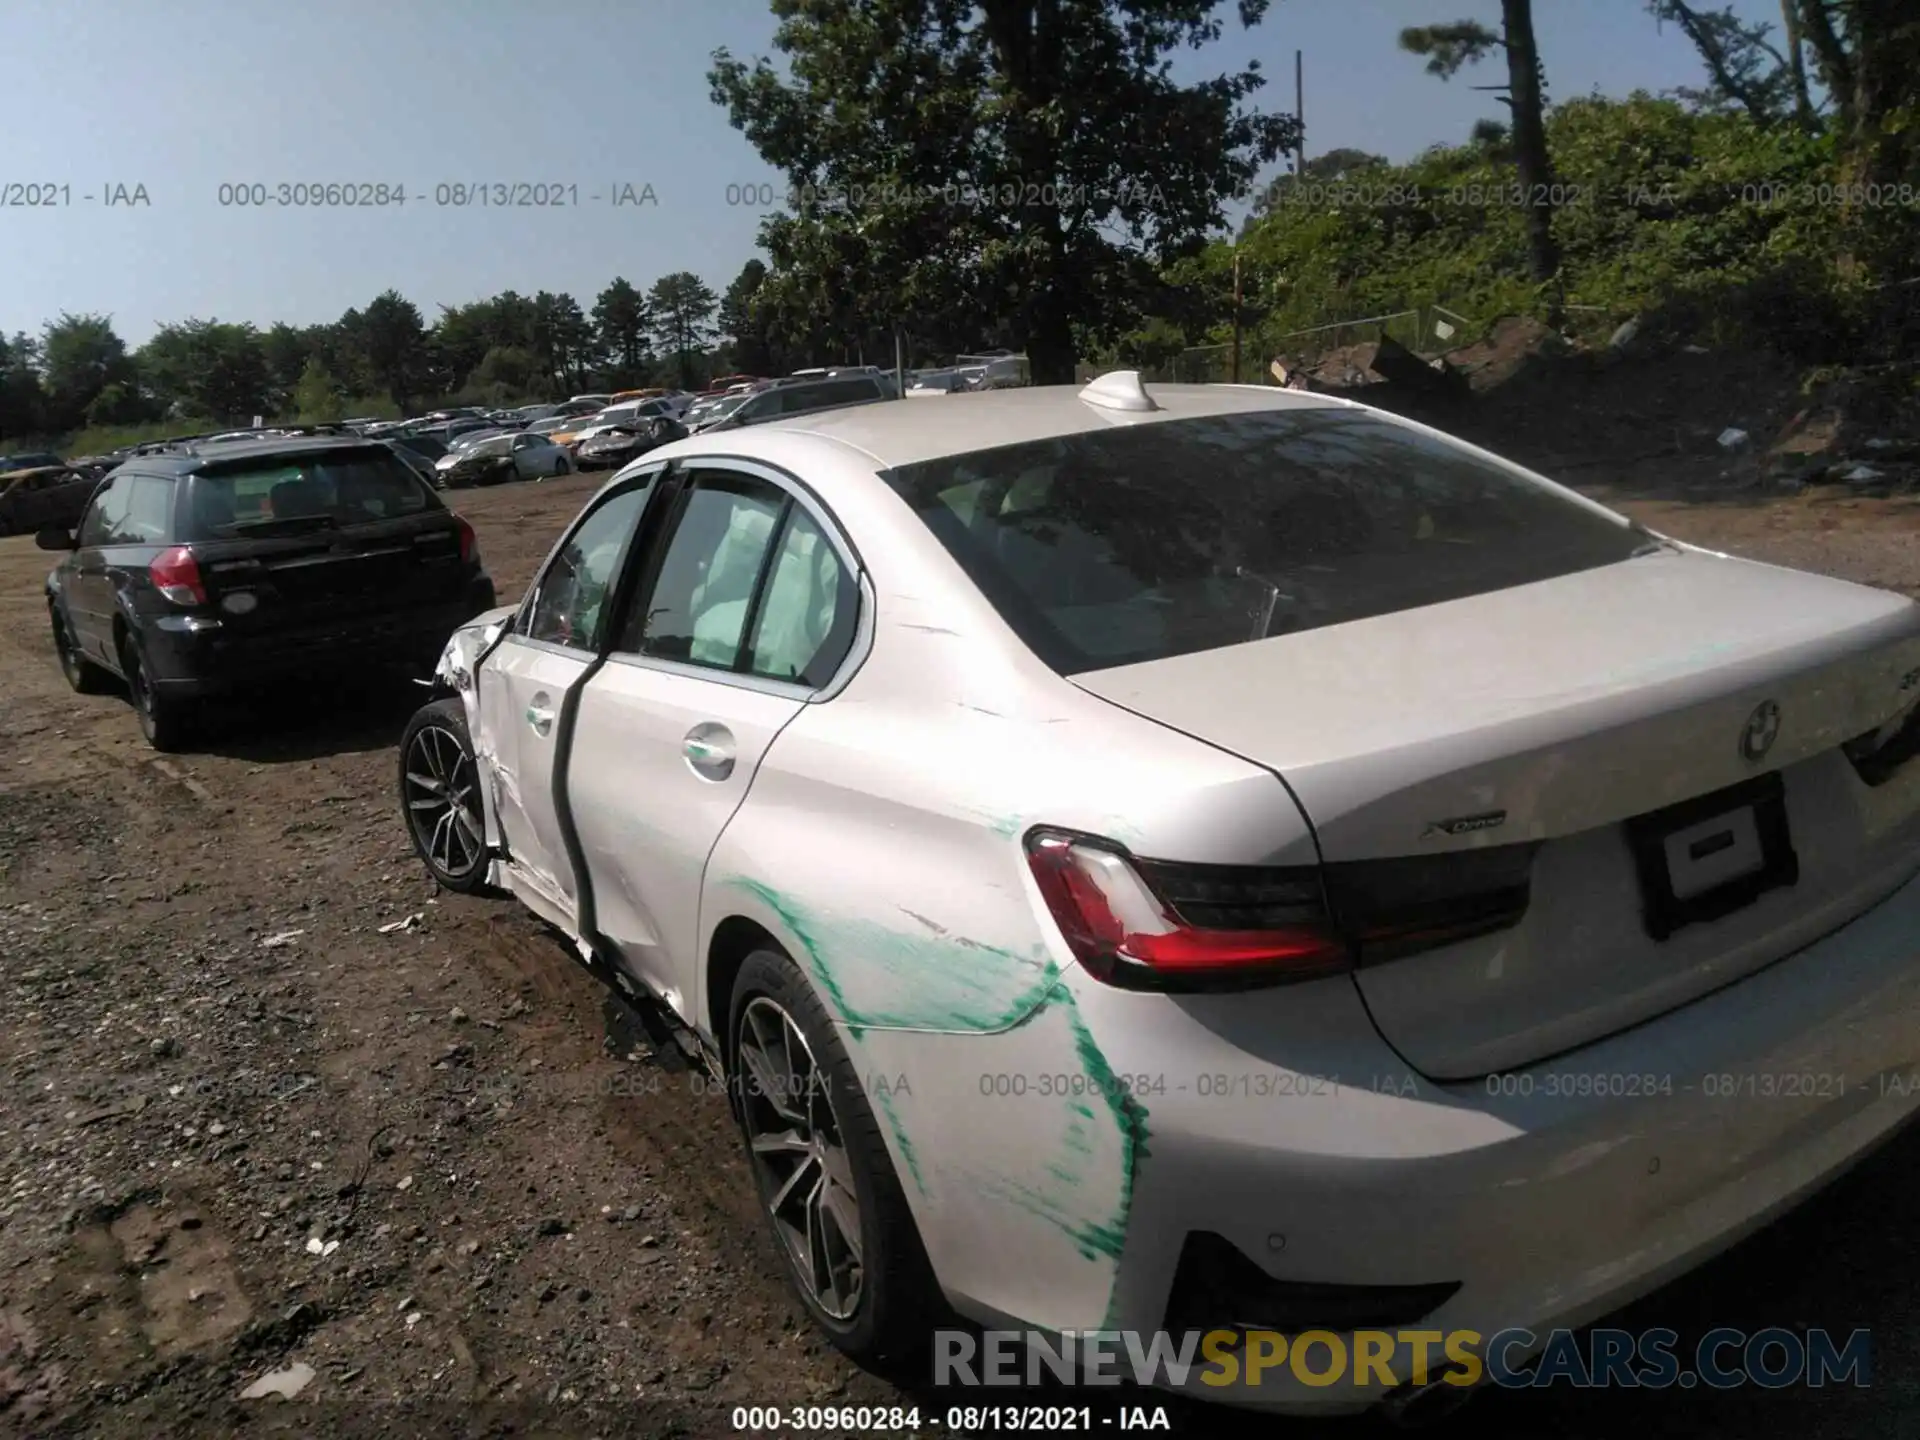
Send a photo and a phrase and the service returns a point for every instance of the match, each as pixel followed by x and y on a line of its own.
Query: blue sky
pixel 184 96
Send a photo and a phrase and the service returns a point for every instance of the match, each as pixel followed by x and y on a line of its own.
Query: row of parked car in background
pixel 471 445
pixel 197 566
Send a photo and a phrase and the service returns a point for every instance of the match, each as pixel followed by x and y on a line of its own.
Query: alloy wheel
pixel 796 1145
pixel 441 800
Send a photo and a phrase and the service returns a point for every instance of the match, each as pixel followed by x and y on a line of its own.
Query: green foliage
pixel 1715 227
pixel 211 368
pixel 316 399
pixel 80 356
pixel 683 308
pixel 1003 161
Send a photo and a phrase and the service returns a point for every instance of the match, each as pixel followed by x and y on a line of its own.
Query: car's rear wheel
pixel 560 466
pixel 826 1183
pixel 168 723
pixel 440 795
pixel 82 674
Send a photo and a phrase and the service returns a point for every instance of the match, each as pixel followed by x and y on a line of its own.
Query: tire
pixel 82 674
pixel 884 1318
pixel 168 724
pixel 439 783
pixel 560 466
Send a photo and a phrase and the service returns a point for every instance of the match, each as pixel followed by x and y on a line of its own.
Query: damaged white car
pixel 1216 858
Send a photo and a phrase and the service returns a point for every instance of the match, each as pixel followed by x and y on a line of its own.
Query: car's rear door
pixel 526 686
pixel 739 618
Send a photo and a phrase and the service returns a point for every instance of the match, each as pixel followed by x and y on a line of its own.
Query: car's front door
pixel 89 591
pixel 738 620
pixel 524 693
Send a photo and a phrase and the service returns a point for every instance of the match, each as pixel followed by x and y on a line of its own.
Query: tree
pixel 80 355
pixel 209 369
pixel 683 309
pixel 1742 65
pixel 622 322
pixel 1465 42
pixel 1017 160
pixel 505 374
pixel 21 398
pixel 121 403
pixel 741 320
pixel 562 337
pixel 316 399
pixel 288 351
pixel 393 338
pixel 1866 53
pixel 1336 164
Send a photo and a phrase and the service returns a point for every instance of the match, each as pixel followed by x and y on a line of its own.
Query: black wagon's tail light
pixel 176 575
pixel 469 542
pixel 1168 925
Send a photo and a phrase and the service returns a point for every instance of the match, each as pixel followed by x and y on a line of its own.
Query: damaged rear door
pixel 526 692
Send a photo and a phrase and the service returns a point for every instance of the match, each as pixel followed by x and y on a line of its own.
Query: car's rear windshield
pixel 298 492
pixel 1140 542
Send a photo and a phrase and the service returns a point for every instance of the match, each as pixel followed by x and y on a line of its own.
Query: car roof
pixel 189 456
pixel 900 432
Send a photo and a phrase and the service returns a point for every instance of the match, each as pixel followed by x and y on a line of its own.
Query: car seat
pixel 296 499
pixel 718 607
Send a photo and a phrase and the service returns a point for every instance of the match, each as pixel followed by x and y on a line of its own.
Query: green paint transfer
pixel 900 1138
pixel 954 984
pixel 964 985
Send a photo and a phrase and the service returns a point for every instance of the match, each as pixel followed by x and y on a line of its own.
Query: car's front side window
pixel 570 600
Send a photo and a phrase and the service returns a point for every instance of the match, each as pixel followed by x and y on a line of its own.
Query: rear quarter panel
pixel 881 845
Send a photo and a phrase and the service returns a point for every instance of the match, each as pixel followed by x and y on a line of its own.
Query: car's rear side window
pixel 1130 544
pixel 346 487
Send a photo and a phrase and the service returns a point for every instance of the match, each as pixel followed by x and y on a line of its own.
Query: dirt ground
pixel 527 1220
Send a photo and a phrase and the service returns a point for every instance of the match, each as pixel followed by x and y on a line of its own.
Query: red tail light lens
pixel 469 542
pixel 176 575
pixel 1251 926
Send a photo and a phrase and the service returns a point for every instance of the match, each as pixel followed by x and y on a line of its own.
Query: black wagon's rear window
pixel 1150 540
pixel 299 492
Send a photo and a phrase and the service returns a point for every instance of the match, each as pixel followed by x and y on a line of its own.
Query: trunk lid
pixel 334 574
pixel 1561 714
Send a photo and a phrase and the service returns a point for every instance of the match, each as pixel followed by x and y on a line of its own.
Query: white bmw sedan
pixel 1211 858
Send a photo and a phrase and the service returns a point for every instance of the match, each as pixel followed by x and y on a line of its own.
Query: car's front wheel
pixel 440 795
pixel 826 1182
pixel 82 674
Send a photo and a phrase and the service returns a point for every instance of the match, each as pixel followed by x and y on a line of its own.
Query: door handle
pixel 540 714
pixel 709 750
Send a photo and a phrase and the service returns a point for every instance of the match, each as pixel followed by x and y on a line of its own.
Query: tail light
pixel 1163 925
pixel 1253 926
pixel 469 542
pixel 176 575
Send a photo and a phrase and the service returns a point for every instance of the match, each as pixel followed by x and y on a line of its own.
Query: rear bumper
pixel 192 659
pixel 1552 1196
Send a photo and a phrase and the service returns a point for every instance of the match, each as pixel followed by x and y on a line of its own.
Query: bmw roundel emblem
pixel 1761 730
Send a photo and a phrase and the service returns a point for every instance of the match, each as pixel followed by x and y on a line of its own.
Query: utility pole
pixel 1236 313
pixel 1299 115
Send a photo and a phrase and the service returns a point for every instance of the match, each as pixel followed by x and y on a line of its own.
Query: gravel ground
pixel 244 1129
